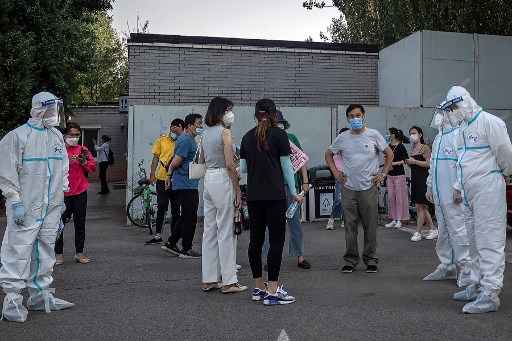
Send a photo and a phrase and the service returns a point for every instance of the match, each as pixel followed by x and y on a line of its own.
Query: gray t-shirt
pixel 360 155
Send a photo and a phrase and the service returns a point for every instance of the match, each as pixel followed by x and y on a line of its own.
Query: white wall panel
pixel 440 74
pixel 495 71
pixel 400 73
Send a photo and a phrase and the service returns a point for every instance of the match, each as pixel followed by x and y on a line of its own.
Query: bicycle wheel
pixel 136 212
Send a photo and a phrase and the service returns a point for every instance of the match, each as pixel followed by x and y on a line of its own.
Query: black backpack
pixel 110 157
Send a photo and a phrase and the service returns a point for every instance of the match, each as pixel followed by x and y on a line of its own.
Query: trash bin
pixel 321 197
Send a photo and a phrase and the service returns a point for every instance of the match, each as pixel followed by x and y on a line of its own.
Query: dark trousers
pixel 103 177
pixel 269 213
pixel 185 227
pixel 360 207
pixel 76 206
pixel 163 197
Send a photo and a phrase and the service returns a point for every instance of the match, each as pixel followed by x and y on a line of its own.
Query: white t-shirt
pixel 360 155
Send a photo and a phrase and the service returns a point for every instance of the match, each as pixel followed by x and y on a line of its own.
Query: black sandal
pixel 304 265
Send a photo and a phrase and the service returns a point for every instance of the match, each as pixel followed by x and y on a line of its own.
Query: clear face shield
pixel 437 118
pixel 452 111
pixel 53 112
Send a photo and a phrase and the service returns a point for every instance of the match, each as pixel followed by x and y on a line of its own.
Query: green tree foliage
pixel 44 44
pixel 107 73
pixel 384 22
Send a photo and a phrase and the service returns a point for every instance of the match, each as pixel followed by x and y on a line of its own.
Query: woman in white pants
pixel 220 196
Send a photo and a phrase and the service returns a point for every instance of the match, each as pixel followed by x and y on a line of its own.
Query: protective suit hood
pixel 38 103
pixel 45 110
pixel 465 103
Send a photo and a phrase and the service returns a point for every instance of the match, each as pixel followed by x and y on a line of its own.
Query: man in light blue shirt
pixel 185 190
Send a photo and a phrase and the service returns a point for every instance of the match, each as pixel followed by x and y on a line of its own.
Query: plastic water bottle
pixel 290 212
pixel 237 222
pixel 246 212
pixel 60 228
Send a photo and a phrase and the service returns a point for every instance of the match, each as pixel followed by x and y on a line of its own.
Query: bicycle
pixel 142 207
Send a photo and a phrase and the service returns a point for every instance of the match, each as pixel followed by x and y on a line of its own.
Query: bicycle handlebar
pixel 144 182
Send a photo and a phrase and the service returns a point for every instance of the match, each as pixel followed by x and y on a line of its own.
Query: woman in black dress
pixel 420 163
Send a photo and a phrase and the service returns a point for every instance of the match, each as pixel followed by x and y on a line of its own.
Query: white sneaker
pixel 330 224
pixel 342 224
pixel 432 234
pixel 391 224
pixel 398 224
pixel 238 267
pixel 416 237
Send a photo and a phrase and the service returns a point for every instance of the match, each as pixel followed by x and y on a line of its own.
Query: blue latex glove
pixel 18 213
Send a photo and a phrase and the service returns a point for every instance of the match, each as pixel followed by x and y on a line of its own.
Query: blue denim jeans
pixel 296 240
pixel 337 207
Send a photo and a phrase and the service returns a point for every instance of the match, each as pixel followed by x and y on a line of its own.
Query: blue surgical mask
pixel 173 136
pixel 356 123
pixel 388 138
pixel 199 131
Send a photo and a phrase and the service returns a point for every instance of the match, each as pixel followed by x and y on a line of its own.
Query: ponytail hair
pixel 399 135
pixel 265 113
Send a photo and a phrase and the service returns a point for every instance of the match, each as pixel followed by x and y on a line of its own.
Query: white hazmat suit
pixel 453 244
pixel 484 156
pixel 33 178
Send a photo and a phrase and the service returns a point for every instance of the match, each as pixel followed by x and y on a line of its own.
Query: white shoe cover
pixel 442 273
pixel 467 295
pixel 484 303
pixel 13 309
pixel 45 301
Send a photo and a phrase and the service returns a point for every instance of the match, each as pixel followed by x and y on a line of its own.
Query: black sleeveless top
pixel 419 177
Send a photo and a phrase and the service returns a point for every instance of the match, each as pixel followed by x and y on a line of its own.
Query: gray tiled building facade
pixel 191 70
pixel 99 120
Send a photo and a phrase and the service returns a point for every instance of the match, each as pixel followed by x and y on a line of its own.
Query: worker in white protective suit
pixel 33 178
pixel 453 244
pixel 484 156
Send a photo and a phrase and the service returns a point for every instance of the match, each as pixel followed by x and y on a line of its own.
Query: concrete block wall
pixel 418 70
pixel 163 74
pixel 114 124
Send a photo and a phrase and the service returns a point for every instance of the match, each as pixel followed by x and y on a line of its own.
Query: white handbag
pixel 197 170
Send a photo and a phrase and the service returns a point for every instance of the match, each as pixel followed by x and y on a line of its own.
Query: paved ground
pixel 137 292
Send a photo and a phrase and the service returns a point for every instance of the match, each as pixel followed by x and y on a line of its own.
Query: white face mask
pixel 280 125
pixel 456 117
pixel 173 136
pixel 228 118
pixel 72 141
pixel 415 138
pixel 51 121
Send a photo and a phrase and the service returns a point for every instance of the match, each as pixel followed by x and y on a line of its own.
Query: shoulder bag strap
pixel 198 152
